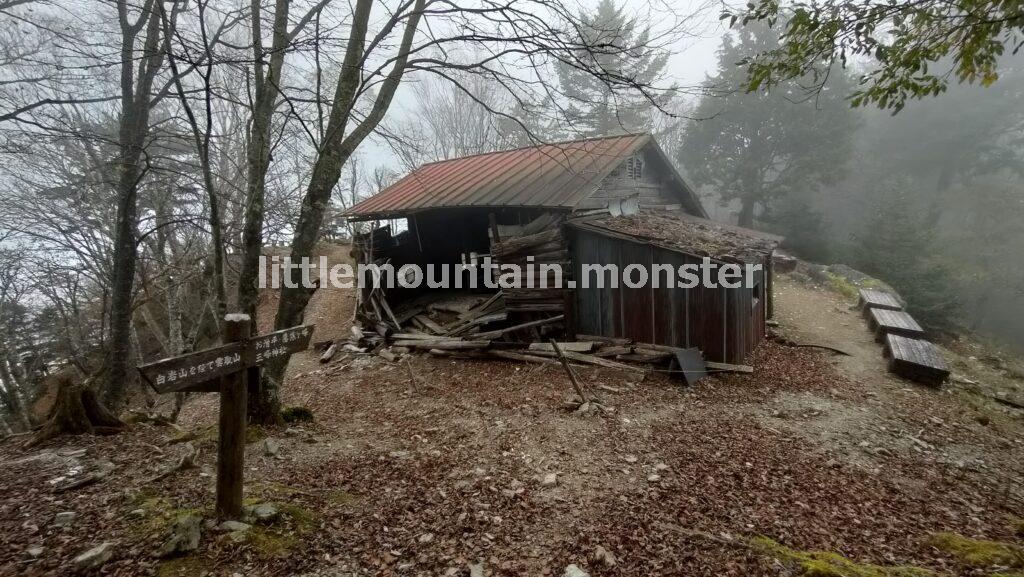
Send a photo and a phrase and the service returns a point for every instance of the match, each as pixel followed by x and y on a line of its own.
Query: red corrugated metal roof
pixel 551 176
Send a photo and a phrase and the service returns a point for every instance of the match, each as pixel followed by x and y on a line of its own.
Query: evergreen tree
pixel 754 148
pixel 619 49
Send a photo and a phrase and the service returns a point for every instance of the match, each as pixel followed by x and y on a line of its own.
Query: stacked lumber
pixel 541 242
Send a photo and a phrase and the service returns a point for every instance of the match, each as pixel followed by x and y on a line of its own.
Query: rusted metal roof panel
pixel 552 176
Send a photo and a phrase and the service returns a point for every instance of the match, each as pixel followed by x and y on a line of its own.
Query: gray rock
pixel 35 552
pixel 549 480
pixel 654 477
pixel 476 570
pixel 574 571
pixel 426 538
pixel 264 512
pixel 95 557
pixel 271 448
pixel 603 556
pixel 64 519
pixel 232 526
pixel 184 537
pixel 238 536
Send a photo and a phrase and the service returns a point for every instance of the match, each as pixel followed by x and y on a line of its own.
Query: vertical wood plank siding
pixel 725 324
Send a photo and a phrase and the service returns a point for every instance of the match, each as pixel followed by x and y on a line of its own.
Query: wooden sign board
pixel 279 344
pixel 187 372
pixel 225 369
pixel 200 371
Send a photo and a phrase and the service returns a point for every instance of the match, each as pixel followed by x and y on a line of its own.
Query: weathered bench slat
pixel 885 322
pixel 874 298
pixel 916 359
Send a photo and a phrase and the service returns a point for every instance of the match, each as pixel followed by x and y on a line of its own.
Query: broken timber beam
pixel 499 332
pixel 576 347
pixel 726 367
pixel 443 344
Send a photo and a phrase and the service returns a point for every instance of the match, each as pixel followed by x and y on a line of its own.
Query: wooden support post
pixel 231 449
pixel 568 370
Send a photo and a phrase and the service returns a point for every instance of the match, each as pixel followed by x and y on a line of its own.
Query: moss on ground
pixel 978 553
pixel 1017 524
pixel 278 538
pixel 297 415
pixel 158 513
pixel 842 285
pixel 828 564
pixel 341 497
pixel 189 566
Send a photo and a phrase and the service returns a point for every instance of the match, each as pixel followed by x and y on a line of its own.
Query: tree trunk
pixel 134 127
pixel 147 393
pixel 258 152
pixel 746 216
pixel 10 394
pixel 335 150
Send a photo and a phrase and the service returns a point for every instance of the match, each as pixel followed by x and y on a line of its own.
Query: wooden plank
pixel 600 339
pixel 575 347
pixel 612 351
pixel 727 367
pixel 874 298
pixel 513 356
pixel 443 344
pixel 916 359
pixel 499 332
pixel 428 324
pixel 644 357
pixel 592 360
pixel 486 319
pixel 886 321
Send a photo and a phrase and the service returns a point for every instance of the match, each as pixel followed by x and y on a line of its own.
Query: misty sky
pixel 691 60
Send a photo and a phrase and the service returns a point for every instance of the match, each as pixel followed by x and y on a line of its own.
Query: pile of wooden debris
pixel 468 327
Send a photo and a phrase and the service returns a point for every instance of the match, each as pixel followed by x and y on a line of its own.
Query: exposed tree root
pixel 76 411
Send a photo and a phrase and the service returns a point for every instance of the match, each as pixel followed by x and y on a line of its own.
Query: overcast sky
pixel 691 60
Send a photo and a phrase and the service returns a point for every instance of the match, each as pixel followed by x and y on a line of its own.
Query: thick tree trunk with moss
pixel 76 411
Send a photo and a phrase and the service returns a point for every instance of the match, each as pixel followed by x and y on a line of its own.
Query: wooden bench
pixel 916 359
pixel 877 299
pixel 888 322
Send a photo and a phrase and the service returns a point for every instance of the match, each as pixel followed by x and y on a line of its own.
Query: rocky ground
pixel 438 467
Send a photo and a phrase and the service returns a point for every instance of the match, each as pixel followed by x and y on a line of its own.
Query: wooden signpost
pixel 225 369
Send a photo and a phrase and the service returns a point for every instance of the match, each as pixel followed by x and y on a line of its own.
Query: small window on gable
pixel 635 168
